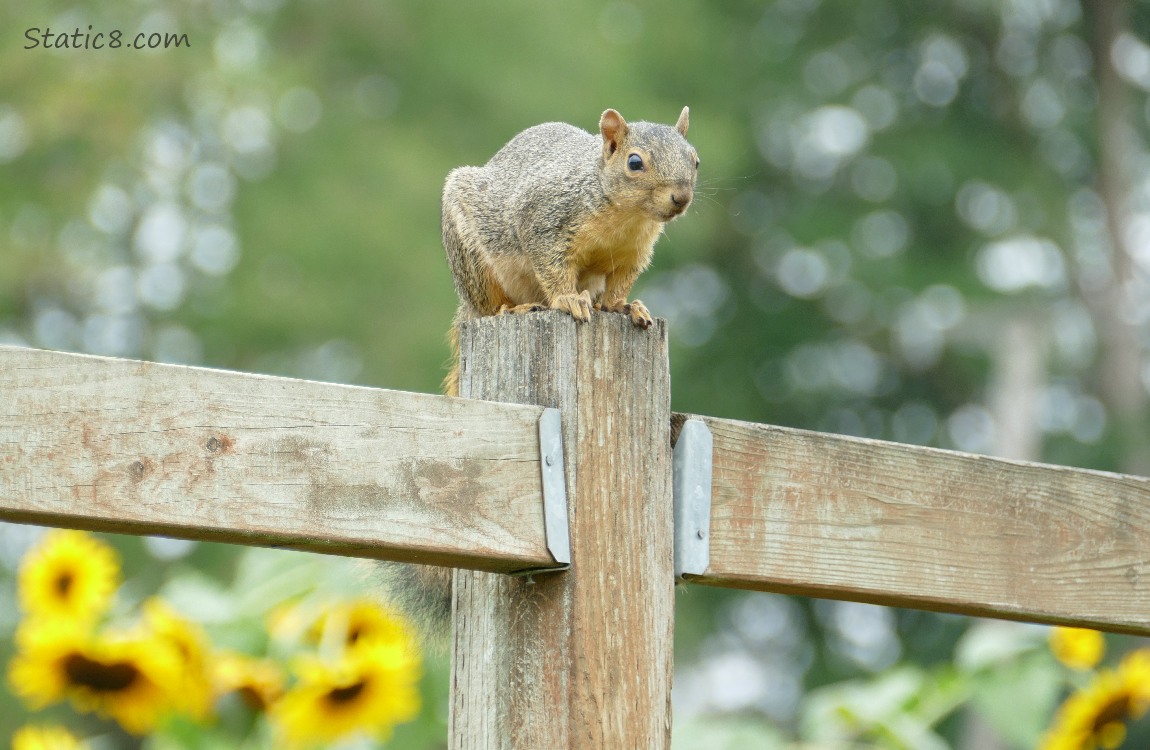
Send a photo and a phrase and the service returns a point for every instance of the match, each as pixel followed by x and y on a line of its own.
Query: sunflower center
pixel 64 583
pixel 346 694
pixel 252 698
pixel 99 676
pixel 1114 711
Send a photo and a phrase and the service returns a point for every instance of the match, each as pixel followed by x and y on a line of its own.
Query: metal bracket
pixel 554 492
pixel 691 486
pixel 554 486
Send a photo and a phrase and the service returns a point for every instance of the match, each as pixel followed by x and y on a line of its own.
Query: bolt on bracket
pixel 554 491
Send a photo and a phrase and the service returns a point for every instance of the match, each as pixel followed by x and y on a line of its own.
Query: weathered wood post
pixel 580 658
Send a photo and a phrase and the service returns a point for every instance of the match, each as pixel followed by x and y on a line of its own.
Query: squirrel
pixel 558 219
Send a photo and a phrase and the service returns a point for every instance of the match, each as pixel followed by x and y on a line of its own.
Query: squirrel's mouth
pixel 674 204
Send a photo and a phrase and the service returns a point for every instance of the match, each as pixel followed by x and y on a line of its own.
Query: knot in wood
pixel 137 470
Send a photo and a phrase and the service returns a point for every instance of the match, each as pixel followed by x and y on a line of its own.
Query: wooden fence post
pixel 580 658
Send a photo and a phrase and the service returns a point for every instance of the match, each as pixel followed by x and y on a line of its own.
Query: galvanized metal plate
pixel 691 485
pixel 554 486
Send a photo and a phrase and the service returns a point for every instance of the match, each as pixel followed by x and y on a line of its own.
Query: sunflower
pixel 258 682
pixel 1077 648
pixel 127 679
pixel 361 622
pixel 193 692
pixel 369 690
pixel 1135 673
pixel 1095 717
pixel 45 738
pixel 69 574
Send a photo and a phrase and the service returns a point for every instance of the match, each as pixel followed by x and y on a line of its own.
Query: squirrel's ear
pixel 684 121
pixel 614 129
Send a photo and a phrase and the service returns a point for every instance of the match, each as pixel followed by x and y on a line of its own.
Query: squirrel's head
pixel 648 165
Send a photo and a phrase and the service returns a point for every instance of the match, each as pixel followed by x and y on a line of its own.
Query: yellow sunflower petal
pixel 1134 672
pixel 1077 648
pixel 69 574
pixel 1111 735
pixel 45 738
pixel 193 691
pixel 288 621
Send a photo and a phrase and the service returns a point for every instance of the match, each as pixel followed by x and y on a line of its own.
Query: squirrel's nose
pixel 681 198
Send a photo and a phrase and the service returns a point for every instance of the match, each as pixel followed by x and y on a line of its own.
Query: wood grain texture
pixel 838 517
pixel 141 448
pixel 583 658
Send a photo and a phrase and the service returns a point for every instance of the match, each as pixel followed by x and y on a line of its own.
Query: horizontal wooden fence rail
pixel 838 517
pixel 140 448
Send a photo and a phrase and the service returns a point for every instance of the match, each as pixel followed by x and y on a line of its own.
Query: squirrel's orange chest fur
pixel 616 239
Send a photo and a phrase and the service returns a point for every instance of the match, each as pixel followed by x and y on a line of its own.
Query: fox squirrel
pixel 557 219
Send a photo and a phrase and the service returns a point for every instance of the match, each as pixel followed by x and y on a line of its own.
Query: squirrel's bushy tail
pixel 423 592
pixel 451 382
pixel 462 315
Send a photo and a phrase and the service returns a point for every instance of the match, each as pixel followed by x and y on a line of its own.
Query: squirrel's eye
pixel 634 162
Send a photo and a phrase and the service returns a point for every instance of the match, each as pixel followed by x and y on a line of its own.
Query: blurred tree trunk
pixel 1018 375
pixel 1017 378
pixel 1121 350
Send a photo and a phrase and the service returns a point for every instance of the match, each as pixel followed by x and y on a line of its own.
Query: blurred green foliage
pixel 886 189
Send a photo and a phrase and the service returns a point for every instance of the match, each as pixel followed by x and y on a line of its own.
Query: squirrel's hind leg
pixel 475 281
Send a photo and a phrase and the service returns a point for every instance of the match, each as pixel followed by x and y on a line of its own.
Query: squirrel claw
pixel 578 306
pixel 639 314
pixel 636 311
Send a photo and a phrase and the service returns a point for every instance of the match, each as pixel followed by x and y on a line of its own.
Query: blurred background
pixel 925 221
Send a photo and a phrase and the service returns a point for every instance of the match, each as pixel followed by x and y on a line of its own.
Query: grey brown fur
pixel 560 219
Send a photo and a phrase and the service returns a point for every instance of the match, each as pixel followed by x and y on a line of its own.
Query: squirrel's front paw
pixel 639 315
pixel 636 311
pixel 578 306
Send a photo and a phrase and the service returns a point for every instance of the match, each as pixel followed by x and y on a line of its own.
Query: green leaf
pixel 1018 699
pixel 725 733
